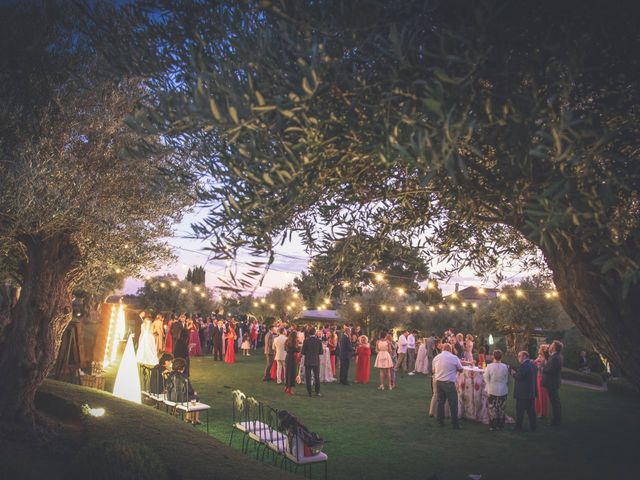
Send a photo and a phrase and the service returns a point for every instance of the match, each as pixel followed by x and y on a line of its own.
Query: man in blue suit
pixel 525 391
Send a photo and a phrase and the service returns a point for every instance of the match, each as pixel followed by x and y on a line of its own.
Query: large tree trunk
pixel 32 327
pixel 597 305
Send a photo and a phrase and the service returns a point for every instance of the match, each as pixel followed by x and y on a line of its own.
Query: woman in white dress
pixel 421 358
pixel 326 374
pixel 147 350
pixel 383 361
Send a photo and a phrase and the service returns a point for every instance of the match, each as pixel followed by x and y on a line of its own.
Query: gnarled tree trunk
pixel 32 326
pixel 596 304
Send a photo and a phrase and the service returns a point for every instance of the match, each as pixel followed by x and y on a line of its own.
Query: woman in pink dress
pixel 363 364
pixel 230 356
pixel 542 400
pixel 468 349
pixel 384 362
pixel 195 349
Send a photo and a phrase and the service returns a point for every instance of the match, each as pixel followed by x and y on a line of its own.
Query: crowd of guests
pixel 313 355
pixel 306 354
pixel 536 382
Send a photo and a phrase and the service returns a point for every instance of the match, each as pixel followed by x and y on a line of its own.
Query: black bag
pixel 177 388
pixel 292 426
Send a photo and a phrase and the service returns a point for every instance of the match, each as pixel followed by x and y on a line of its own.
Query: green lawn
pixel 370 434
pixel 375 434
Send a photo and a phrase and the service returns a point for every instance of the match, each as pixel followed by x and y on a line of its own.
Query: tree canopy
pixel 84 198
pixel 488 132
pixel 352 263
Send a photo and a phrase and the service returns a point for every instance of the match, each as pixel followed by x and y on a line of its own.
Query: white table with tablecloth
pixel 472 395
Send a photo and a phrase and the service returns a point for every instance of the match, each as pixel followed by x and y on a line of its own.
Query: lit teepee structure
pixel 127 384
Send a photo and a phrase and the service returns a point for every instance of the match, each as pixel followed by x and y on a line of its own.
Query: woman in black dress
pixel 291 347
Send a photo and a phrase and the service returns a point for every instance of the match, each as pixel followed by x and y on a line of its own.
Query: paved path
pixel 588 386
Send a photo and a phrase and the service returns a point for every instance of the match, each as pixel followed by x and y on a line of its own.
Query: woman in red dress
pixel 254 335
pixel 542 400
pixel 363 365
pixel 168 341
pixel 230 356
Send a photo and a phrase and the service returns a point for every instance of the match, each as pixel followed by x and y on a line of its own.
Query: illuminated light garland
pixel 115 334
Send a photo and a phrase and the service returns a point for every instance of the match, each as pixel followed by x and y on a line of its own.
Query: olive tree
pixel 495 130
pixel 81 197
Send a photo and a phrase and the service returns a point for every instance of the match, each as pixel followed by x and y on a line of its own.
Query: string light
pixel 392 308
pixel 432 308
pixel 174 283
pixel 400 291
pixel 519 293
pixel 379 277
pixel 482 291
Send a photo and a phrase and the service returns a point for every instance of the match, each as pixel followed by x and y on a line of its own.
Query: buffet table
pixel 472 395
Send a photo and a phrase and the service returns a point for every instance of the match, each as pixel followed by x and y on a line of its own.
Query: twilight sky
pixel 291 259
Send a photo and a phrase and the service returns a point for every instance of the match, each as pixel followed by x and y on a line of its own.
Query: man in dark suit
pixel 551 372
pixel 346 352
pixel 311 350
pixel 216 337
pixel 525 391
pixel 269 353
pixel 176 329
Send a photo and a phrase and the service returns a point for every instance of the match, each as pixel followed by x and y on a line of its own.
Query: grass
pixel 370 434
pixel 186 452
pixel 379 435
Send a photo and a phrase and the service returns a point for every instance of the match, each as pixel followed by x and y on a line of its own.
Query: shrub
pixel 590 378
pixel 622 386
pixel 117 459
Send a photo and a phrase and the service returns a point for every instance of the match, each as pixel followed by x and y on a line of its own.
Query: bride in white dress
pixel 421 359
pixel 326 375
pixel 147 353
